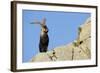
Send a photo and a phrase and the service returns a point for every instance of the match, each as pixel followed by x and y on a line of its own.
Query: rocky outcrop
pixel 80 49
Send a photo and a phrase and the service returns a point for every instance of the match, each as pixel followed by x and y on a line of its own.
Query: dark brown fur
pixel 44 39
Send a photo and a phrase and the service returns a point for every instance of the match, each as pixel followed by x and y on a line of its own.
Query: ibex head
pixel 43 25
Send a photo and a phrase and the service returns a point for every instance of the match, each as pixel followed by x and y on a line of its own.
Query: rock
pixel 41 57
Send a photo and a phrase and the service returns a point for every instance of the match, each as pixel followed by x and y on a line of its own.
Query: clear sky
pixel 62 29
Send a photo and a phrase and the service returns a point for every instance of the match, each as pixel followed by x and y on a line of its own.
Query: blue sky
pixel 62 29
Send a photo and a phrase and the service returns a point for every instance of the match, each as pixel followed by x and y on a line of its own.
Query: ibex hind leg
pixel 41 50
pixel 45 50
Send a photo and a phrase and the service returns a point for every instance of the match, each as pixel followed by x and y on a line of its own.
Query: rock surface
pixel 77 50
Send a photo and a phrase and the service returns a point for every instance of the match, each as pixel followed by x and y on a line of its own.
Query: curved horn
pixel 35 22
pixel 43 21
